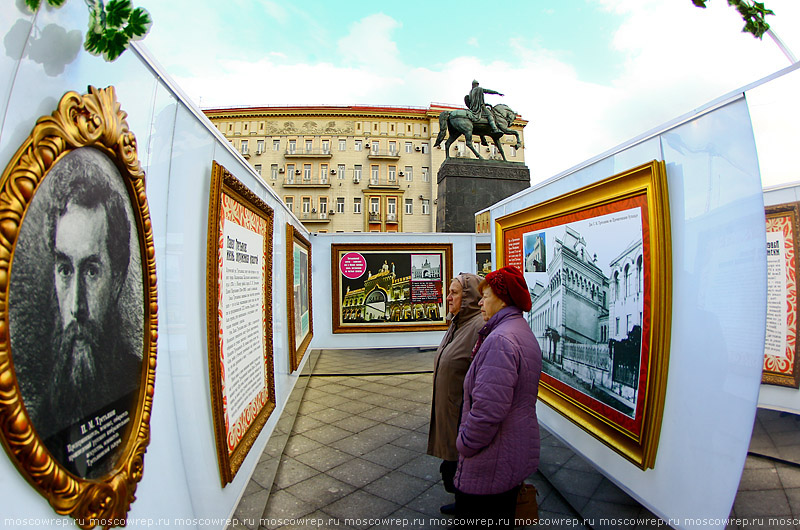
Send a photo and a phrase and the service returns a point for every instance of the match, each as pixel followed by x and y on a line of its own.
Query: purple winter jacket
pixel 498 440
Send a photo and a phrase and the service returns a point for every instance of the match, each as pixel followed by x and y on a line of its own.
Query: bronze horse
pixel 458 122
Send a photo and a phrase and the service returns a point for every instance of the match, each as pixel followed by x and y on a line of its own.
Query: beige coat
pixel 449 368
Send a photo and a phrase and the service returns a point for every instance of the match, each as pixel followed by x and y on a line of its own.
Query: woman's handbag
pixel 527 512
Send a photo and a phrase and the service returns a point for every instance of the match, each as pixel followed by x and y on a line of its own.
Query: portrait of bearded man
pixel 74 291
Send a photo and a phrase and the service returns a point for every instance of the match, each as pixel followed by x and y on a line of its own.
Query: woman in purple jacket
pixel 498 439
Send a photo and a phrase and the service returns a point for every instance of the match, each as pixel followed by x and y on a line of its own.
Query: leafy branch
pixel 753 13
pixel 112 25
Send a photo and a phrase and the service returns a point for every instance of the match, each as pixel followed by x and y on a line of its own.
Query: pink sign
pixel 353 265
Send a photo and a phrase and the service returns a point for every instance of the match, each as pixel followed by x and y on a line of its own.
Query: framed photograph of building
pixel 597 263
pixel 383 287
pixel 298 289
pixel 77 363
pixel 781 366
pixel 239 309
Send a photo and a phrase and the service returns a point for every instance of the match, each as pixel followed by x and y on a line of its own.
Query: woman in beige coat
pixel 449 367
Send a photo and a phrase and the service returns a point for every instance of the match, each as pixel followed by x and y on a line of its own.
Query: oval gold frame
pixel 91 120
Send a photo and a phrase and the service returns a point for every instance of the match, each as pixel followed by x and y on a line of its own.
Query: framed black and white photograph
pixel 80 310
pixel 597 264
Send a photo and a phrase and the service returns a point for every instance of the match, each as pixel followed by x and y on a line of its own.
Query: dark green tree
pixel 112 25
pixel 753 13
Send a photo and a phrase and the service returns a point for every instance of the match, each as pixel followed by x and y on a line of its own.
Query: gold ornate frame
pixel 445 250
pixel 234 441
pixel 92 120
pixel 786 218
pixel 297 351
pixel 646 184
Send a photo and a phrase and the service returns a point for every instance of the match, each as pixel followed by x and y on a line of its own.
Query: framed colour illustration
pixel 384 288
pixel 598 265
pixel 239 300
pixel 79 306
pixel 298 289
pixel 780 346
pixel 483 259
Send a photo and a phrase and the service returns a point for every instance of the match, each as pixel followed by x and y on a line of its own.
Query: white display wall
pixel 43 59
pixel 718 310
pixel 463 261
pixel 775 397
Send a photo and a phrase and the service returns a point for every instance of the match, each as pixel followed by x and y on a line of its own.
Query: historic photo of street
pixel 588 304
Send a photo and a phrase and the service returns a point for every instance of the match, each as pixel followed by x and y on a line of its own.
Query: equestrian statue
pixel 480 119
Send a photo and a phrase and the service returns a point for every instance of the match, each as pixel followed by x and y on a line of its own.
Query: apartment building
pixel 350 169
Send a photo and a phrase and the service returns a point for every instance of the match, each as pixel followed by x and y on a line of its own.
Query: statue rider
pixel 477 105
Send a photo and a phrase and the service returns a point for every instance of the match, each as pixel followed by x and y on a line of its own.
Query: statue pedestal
pixel 467 185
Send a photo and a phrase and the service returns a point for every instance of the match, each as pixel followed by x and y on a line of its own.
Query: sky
pixel 587 74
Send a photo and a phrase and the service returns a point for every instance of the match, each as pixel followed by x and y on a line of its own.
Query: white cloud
pixel 369 44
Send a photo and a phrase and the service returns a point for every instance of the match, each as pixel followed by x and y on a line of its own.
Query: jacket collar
pixel 503 314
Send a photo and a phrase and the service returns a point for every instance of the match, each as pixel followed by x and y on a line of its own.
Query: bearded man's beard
pixel 76 369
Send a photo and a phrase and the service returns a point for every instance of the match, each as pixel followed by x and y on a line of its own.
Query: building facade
pixel 350 169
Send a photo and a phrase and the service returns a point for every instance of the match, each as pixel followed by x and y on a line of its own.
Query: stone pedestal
pixel 467 185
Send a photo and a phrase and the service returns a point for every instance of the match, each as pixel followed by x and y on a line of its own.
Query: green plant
pixel 753 13
pixel 112 25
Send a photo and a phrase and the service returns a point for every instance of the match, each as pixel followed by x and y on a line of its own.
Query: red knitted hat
pixel 509 285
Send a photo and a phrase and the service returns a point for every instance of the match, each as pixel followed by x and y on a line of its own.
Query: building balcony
pixel 315 217
pixel 304 153
pixel 296 181
pixel 384 183
pixel 377 154
pixel 374 217
pixel 392 218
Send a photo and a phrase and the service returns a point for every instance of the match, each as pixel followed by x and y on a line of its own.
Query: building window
pixel 276 145
pixel 306 204
pixel 409 206
pixel 617 332
pixel 323 207
pixel 392 148
pixel 259 147
pixel 409 173
pixel 426 206
pixel 356 173
pixel 290 173
pixel 391 205
pixel 244 147
pixel 374 174
pixel 306 171
pixel 258 168
pixel 512 150
pixel 374 205
pixel 357 205
pixel 425 147
pixel 392 173
pixel 342 144
pixel 326 146
pixel 358 145
pixel 273 171
pixel 292 146
pixel 309 146
pixel 375 146
pixel 409 147
pixel 426 174
pixel 323 173
pixel 289 203
pixel 340 171
pixel 339 204
pixel 629 288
